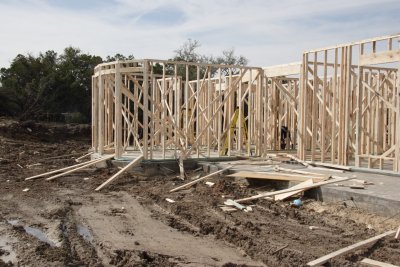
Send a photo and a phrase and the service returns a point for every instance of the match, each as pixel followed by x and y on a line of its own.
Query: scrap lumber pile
pixel 295 189
pixel 304 180
pixel 311 176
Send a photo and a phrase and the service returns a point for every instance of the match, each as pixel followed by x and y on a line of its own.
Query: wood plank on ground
pixel 370 262
pixel 348 249
pixel 62 169
pixel 67 168
pixel 277 168
pixel 289 194
pixel 325 169
pixel 88 164
pixel 200 179
pixel 331 166
pixel 115 176
pixel 277 176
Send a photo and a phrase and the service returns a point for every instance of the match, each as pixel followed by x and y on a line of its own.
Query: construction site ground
pixel 129 223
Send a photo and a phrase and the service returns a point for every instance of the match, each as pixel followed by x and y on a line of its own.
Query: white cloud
pixel 267 32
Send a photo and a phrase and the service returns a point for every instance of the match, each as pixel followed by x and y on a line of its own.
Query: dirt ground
pixel 66 223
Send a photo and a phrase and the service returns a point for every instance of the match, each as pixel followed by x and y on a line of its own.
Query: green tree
pixel 74 82
pixel 48 83
pixel 26 83
pixel 118 56
pixel 228 57
pixel 188 52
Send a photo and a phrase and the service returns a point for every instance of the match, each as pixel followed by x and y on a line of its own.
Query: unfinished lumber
pixel 277 168
pixel 124 169
pixel 331 166
pixel 170 200
pixel 62 156
pixel 362 182
pixel 84 156
pixel 88 164
pixel 200 179
pixel 348 249
pixel 357 186
pixel 374 263
pixel 230 202
pixel 397 233
pixel 210 184
pixel 336 108
pixel 270 194
pixel 325 169
pixel 289 194
pixel 61 170
pixel 181 168
pixel 279 249
pixel 298 160
pixel 33 165
pixel 277 176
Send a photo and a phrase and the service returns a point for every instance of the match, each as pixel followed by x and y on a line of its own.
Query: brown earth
pixel 65 223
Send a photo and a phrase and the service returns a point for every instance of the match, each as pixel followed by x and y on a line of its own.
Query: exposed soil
pixel 129 223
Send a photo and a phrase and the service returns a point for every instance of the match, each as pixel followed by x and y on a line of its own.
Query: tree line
pixel 52 83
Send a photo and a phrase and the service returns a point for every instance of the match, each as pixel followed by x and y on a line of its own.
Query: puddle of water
pixel 39 234
pixel 36 232
pixel 84 231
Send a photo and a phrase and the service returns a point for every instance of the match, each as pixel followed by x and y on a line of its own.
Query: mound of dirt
pixel 43 131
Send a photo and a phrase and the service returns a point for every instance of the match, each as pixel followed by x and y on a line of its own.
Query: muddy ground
pixel 129 223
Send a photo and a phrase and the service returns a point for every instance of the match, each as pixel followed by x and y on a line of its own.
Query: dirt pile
pixel 43 131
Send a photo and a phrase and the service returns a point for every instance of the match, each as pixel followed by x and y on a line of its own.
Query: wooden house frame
pixel 349 109
pixel 157 107
pixel 340 105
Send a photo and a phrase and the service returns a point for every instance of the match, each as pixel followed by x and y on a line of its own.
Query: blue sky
pixel 267 32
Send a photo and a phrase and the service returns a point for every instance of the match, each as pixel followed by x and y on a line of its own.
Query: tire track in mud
pixel 77 245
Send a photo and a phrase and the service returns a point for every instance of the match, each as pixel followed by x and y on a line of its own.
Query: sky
pixel 267 32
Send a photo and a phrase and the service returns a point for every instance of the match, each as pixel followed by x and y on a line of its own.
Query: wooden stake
pixel 348 249
pixel 181 167
pixel 115 176
pixel 200 179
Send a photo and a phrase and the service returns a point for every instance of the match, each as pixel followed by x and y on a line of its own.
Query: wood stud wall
pixel 149 105
pixel 349 104
pixel 341 105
